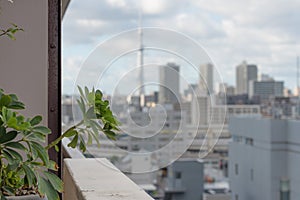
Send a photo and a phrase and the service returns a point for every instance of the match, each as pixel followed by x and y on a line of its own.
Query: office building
pixel 244 74
pixel 264 159
pixel 184 180
pixel 200 107
pixel 206 79
pixel 265 89
pixel 169 80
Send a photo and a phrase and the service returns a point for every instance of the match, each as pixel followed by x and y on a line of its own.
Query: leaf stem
pixel 57 140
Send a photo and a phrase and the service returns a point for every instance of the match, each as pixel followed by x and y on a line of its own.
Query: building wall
pixel 24 62
pixel 244 74
pixel 266 89
pixel 206 83
pixel 273 154
pixel 169 80
pixel 190 181
pixel 200 107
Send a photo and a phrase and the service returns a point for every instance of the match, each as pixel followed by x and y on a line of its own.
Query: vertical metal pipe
pixel 54 78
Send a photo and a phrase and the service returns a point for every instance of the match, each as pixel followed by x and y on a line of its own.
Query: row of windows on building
pixel 242 140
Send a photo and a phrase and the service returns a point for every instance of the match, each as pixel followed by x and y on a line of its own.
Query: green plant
pixel 11 31
pixel 24 163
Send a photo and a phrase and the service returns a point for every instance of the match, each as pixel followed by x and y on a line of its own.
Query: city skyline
pixel 229 33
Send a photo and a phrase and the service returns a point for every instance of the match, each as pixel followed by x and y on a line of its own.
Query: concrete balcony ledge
pixel 97 178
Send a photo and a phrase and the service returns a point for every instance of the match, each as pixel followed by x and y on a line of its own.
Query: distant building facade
pixel 206 79
pixel 169 80
pixel 244 74
pixel 264 159
pixel 265 89
pixel 184 180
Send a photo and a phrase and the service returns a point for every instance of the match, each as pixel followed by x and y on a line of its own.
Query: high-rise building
pixel 200 107
pixel 169 80
pixel 264 159
pixel 185 180
pixel 206 79
pixel 265 77
pixel 265 89
pixel 244 74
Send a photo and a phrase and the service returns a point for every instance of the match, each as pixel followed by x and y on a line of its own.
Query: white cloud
pixel 154 6
pixel 117 3
pixel 264 32
pixel 90 23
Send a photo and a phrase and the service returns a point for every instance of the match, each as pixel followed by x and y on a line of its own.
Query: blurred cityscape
pixel 241 142
pixel 210 141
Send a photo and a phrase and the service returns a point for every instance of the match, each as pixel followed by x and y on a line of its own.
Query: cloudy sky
pixel 263 32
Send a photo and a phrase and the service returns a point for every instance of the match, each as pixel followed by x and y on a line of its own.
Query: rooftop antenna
pixel 140 60
pixel 298 91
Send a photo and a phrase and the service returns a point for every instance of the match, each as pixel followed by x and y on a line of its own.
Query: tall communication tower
pixel 140 61
pixel 298 90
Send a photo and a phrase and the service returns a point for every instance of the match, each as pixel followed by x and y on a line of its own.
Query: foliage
pixel 11 31
pixel 23 136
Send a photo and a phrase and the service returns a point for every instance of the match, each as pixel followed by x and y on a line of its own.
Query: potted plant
pixel 25 167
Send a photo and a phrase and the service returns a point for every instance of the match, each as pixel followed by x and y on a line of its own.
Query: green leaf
pixel 52 165
pixel 33 151
pixel 8 136
pixel 46 188
pixel 74 142
pixel 95 125
pixel 4 114
pixel 36 120
pixel 42 153
pixel 13 97
pixel 36 137
pixel 17 105
pixel 9 190
pixel 29 174
pixel 24 126
pixel 8 157
pixel 12 123
pixel 5 100
pixel 86 91
pixel 95 135
pixel 56 148
pixel 42 129
pixel 11 36
pixel 90 114
pixel 91 98
pixel 16 145
pixel 71 133
pixel 98 95
pixel 81 105
pixel 2 131
pixel 40 164
pixel 82 146
pixel 13 167
pixel 110 134
pixel 15 154
pixel 80 91
pixel 90 139
pixel 20 118
pixel 55 181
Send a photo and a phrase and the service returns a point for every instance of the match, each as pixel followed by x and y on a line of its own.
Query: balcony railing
pixel 96 178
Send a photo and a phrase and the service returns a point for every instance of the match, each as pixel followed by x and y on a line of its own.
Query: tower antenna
pixel 298 90
pixel 140 60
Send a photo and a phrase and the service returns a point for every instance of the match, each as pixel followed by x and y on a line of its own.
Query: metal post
pixel 54 78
